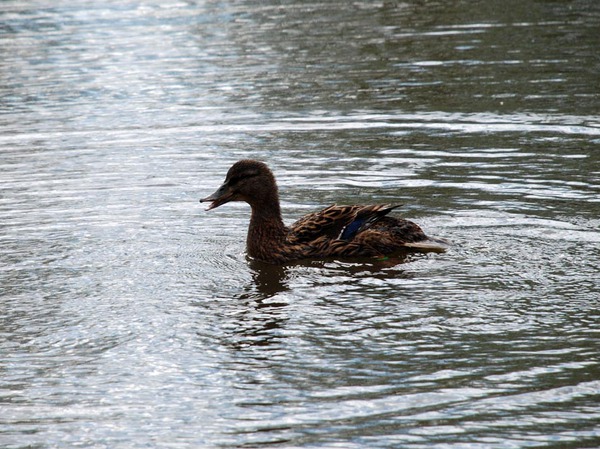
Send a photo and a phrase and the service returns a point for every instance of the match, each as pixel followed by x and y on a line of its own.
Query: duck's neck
pixel 266 232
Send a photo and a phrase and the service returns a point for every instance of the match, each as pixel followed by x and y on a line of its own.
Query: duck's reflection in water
pixel 260 311
pixel 268 280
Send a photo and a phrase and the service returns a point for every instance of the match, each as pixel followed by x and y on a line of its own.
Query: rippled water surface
pixel 130 317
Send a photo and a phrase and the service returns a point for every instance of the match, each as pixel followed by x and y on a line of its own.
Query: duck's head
pixel 247 180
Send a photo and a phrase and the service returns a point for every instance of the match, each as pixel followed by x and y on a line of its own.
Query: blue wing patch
pixel 352 229
pixel 364 221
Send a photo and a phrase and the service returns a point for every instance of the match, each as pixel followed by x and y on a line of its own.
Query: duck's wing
pixel 364 219
pixel 337 222
pixel 328 222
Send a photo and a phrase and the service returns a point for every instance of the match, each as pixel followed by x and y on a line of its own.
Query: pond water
pixel 130 317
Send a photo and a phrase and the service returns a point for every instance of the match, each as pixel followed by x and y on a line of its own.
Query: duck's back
pixel 358 230
pixel 327 222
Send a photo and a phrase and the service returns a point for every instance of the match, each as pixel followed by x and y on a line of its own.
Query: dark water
pixel 130 317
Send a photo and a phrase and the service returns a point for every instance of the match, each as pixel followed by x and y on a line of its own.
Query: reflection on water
pixel 130 317
pixel 268 280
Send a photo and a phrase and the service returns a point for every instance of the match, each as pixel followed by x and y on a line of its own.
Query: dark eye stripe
pixel 237 178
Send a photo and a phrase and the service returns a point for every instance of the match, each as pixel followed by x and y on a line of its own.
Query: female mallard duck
pixel 337 231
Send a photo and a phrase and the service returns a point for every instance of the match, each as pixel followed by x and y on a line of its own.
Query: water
pixel 130 317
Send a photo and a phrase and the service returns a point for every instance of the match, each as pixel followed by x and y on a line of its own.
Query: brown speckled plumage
pixel 337 231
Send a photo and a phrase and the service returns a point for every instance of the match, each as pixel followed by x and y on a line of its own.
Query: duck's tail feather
pixel 433 244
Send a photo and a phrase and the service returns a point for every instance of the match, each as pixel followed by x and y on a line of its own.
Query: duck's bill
pixel 220 197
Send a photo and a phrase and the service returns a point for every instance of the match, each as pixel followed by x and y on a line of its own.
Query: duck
pixel 338 231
